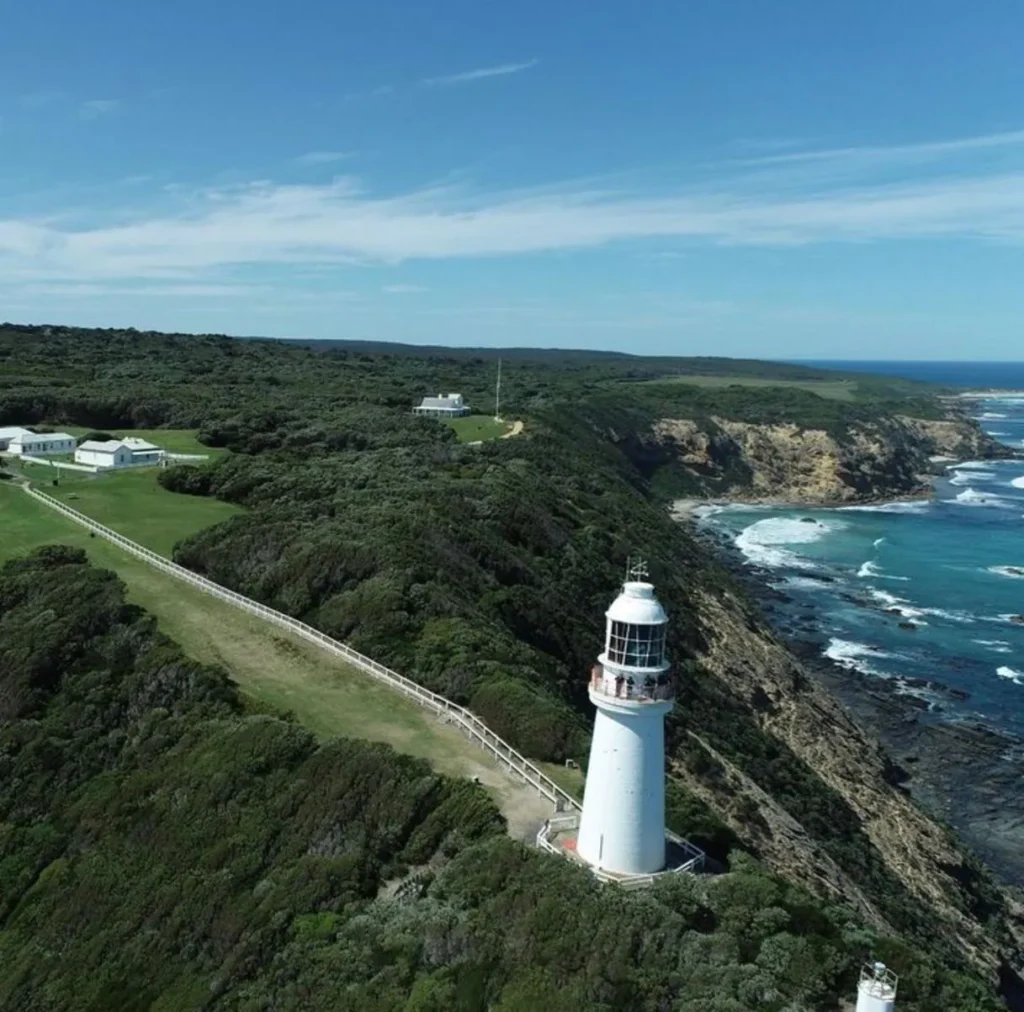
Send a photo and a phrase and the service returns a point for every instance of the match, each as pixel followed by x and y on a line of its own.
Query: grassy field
pixel 172 440
pixel 477 427
pixel 837 390
pixel 133 504
pixel 274 670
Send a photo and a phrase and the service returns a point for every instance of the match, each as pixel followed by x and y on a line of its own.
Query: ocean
pixel 922 594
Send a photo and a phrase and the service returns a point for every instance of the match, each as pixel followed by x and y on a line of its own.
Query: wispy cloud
pixel 321 157
pixel 343 222
pixel 97 107
pixel 480 74
pixel 897 152
pixel 404 289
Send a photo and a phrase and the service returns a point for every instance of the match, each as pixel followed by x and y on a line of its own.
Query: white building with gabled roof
pixel 9 433
pixel 443 406
pixel 115 453
pixel 41 444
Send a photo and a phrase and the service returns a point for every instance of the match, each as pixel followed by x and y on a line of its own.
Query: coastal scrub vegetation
pixel 160 848
pixel 483 572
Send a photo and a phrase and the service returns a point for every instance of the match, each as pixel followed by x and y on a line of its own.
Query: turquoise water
pixel 945 567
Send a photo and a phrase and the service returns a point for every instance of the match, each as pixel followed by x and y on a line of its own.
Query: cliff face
pixel 884 458
pixel 745 655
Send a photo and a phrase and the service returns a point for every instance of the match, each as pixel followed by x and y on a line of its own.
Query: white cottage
pixel 41 444
pixel 442 406
pixel 9 433
pixel 114 453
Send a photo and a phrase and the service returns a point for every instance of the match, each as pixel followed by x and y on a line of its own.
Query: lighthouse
pixel 876 991
pixel 622 827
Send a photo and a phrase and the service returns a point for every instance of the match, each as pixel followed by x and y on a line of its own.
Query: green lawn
pixel 837 390
pixel 472 428
pixel 274 670
pixel 172 440
pixel 133 504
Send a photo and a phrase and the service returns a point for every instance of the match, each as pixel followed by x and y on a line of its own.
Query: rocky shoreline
pixel 965 774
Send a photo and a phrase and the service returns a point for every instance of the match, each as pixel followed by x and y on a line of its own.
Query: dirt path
pixel 517 428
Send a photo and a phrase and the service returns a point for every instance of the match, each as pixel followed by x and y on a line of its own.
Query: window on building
pixel 636 646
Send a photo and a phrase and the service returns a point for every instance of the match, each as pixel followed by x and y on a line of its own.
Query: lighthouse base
pixel 560 833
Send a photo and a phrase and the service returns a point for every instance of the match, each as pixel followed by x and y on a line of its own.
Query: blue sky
pixel 798 179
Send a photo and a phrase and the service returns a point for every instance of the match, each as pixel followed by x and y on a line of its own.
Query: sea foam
pixel 1013 572
pixel 761 542
pixel 1017 677
pixel 996 646
pixel 972 497
pixel 918 506
pixel 852 656
pixel 1018 482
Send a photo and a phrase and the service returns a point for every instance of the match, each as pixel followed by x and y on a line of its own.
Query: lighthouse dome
pixel 637 605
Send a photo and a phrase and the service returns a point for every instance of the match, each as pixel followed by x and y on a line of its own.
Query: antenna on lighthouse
pixel 497 395
pixel 636 569
pixel 876 991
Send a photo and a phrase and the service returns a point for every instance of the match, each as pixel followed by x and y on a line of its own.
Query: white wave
pixel 990 416
pixel 800 583
pixel 1013 572
pixel 918 506
pixel 900 604
pixel 966 477
pixel 976 465
pixel 872 571
pixel 1017 677
pixel 851 656
pixel 996 646
pixel 994 434
pixel 878 542
pixel 761 541
pixel 1018 482
pixel 1011 617
pixel 971 497
pixel 952 616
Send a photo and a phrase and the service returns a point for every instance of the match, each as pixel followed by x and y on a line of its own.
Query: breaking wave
pixel 852 656
pixel 972 497
pixel 996 646
pixel 873 571
pixel 1013 572
pixel 1018 482
pixel 762 542
pixel 1017 677
pixel 918 506
pixel 966 477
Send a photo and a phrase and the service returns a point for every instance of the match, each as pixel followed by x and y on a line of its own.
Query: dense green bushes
pixel 483 572
pixel 161 850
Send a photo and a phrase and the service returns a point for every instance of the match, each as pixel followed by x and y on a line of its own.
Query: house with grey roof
pixel 442 406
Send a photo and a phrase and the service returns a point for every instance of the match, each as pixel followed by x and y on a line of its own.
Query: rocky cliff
pixel 744 653
pixel 888 457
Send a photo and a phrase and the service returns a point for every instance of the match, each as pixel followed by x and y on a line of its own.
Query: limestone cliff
pixel 745 655
pixel 887 457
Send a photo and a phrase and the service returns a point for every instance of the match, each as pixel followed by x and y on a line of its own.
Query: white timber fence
pixel 59 464
pixel 470 724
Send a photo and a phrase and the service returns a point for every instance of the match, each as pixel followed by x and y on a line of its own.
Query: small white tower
pixel 877 989
pixel 622 828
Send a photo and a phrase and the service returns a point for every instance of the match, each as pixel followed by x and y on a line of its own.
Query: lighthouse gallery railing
pixel 450 712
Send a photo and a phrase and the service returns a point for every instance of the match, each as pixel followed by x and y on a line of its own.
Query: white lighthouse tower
pixel 622 828
pixel 876 991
